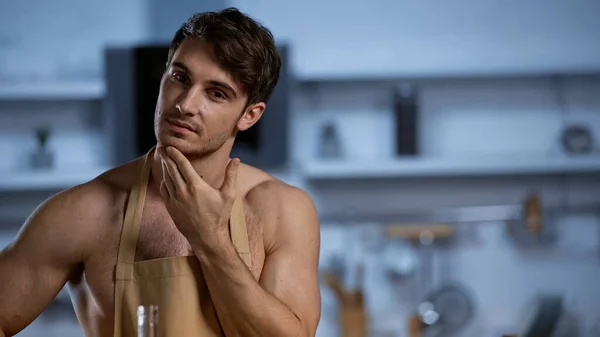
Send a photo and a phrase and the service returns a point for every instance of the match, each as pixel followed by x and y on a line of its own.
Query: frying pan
pixel 447 310
pixel 541 316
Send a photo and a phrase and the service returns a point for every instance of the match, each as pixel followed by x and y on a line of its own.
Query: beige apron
pixel 175 284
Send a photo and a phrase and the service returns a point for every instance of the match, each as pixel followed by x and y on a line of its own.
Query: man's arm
pixel 36 266
pixel 286 301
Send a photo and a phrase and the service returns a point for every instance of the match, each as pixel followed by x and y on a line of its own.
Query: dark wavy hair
pixel 242 46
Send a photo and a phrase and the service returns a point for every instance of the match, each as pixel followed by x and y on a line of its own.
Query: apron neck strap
pixel 133 213
pixel 239 231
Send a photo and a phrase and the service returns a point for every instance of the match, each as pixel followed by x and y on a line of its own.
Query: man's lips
pixel 180 125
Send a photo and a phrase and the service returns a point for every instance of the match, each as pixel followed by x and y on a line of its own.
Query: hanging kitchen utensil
pixel 424 233
pixel 446 310
pixel 533 215
pixel 533 226
pixel 415 327
pixel 420 254
pixel 422 237
pixel 332 280
pixel 354 320
pixel 337 265
pixel 541 316
pixel 333 277
pixel 400 259
pixel 352 311
pixel 353 317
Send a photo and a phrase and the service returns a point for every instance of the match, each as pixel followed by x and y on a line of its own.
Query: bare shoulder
pixel 285 211
pixel 268 194
pixel 80 215
pixel 273 196
pixel 94 199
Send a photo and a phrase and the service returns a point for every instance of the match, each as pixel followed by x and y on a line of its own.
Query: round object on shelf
pixel 577 139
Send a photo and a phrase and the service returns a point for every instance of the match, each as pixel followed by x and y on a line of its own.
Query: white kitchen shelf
pixel 47 180
pixel 447 167
pixel 322 76
pixel 70 90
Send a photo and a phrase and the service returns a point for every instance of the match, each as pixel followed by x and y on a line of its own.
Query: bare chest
pixel 159 238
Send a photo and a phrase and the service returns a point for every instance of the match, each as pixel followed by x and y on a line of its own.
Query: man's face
pixel 200 107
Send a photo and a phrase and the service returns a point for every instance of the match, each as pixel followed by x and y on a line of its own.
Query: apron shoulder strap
pixel 239 231
pixel 133 214
pixel 129 238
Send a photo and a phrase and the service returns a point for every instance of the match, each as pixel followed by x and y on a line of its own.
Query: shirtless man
pixel 222 248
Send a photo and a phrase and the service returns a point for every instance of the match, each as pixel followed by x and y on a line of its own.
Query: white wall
pixel 43 40
pixel 391 37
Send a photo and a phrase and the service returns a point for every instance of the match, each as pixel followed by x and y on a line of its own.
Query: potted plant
pixel 42 157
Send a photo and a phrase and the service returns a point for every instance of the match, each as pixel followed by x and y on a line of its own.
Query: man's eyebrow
pixel 181 65
pixel 225 86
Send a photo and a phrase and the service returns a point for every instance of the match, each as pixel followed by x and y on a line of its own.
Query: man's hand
pixel 199 211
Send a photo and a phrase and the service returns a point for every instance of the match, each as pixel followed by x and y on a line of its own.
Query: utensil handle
pixel 334 283
pixel 414 326
pixel 415 231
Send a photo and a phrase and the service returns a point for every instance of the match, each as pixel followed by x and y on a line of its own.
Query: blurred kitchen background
pixel 450 146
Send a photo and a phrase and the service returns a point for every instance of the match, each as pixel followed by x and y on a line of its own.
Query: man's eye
pixel 178 77
pixel 218 95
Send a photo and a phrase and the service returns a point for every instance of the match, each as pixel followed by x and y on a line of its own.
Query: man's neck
pixel 210 168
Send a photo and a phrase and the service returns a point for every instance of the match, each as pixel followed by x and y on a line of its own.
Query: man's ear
pixel 250 116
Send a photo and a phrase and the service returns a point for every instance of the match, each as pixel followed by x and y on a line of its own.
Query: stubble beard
pixel 199 147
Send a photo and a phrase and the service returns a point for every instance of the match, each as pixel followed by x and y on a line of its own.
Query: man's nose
pixel 191 101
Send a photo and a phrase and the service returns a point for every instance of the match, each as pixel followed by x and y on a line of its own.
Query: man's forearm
pixel 243 306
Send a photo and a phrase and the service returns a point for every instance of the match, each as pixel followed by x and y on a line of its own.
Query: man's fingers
pixel 184 166
pixel 182 174
pixel 173 172
pixel 164 192
pixel 228 188
pixel 167 180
